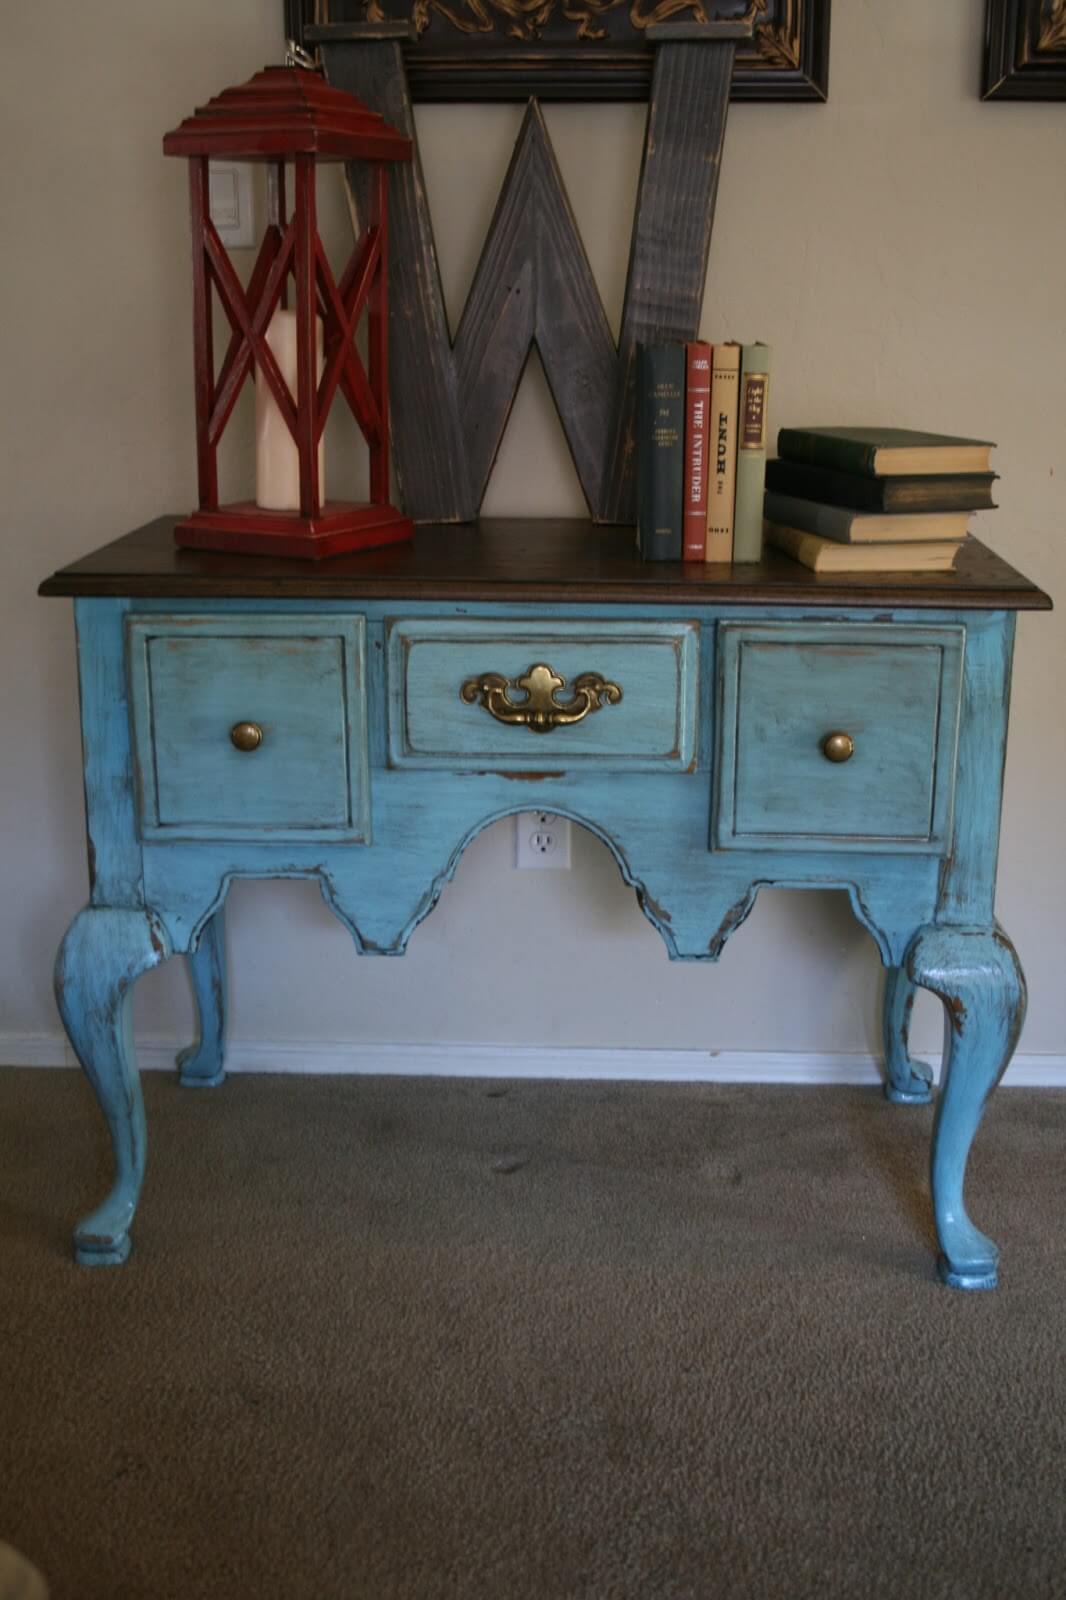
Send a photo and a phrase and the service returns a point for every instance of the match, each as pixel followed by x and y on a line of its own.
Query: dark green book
pixel 967 491
pixel 884 452
pixel 660 451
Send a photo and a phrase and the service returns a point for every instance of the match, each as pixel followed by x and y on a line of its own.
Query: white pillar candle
pixel 277 460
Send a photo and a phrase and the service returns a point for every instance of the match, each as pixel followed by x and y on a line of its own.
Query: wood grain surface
pixel 543 560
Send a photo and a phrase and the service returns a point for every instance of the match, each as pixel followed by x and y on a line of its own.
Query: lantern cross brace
pixel 264 291
pixel 341 309
pixel 249 313
pixel 251 320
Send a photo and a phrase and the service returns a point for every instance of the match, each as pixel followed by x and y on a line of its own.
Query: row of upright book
pixel 875 499
pixel 701 450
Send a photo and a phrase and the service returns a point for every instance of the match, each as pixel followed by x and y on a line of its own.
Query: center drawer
pixel 616 695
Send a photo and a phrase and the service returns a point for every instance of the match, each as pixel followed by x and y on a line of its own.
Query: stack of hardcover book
pixel 701 450
pixel 875 499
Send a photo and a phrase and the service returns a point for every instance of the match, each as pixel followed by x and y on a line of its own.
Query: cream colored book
pixel 828 555
pixel 722 451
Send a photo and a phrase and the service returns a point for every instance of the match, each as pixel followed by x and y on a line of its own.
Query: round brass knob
pixel 246 736
pixel 838 747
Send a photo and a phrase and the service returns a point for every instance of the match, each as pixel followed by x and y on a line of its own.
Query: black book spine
pixel 825 485
pixel 954 492
pixel 660 450
pixel 962 493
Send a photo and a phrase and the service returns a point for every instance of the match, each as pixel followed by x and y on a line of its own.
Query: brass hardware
pixel 246 736
pixel 838 747
pixel 540 712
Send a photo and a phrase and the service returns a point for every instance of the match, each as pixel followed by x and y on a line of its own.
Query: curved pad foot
pixel 972 1261
pixel 966 1280
pixel 102 1238
pixel 191 1073
pixel 91 1252
pixel 976 974
pixel 917 1092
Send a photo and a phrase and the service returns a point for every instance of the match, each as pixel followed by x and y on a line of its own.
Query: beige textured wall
pixel 902 250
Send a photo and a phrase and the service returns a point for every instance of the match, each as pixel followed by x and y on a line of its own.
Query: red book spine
pixel 697 408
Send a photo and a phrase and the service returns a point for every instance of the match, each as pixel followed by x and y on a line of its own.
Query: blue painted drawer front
pixel 302 679
pixel 782 689
pixel 652 728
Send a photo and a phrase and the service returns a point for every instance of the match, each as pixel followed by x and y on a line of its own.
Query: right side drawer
pixel 891 693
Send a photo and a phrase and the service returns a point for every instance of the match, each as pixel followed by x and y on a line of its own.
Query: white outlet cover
pixel 542 841
pixel 232 208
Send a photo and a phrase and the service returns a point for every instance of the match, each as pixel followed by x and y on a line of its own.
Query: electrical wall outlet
pixel 541 839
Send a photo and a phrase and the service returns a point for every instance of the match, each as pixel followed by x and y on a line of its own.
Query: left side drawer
pixel 298 681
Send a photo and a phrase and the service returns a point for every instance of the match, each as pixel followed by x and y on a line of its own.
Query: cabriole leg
pixel 907 1082
pixel 978 978
pixel 102 955
pixel 202 1065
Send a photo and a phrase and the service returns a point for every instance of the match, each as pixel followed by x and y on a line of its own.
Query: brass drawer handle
pixel 541 712
pixel 838 747
pixel 246 736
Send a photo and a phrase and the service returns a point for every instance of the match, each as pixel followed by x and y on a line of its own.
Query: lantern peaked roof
pixel 286 111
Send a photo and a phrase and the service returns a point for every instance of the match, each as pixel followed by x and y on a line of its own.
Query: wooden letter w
pixel 533 284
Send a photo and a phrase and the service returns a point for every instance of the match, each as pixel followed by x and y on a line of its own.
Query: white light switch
pixel 232 212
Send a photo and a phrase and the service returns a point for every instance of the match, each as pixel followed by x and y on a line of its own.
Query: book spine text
pixel 660 451
pixel 697 410
pixel 721 487
pixel 751 452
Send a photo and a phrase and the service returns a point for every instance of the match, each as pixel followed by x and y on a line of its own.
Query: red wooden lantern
pixel 289 114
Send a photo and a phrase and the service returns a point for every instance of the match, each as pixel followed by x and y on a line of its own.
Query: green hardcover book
pixel 660 451
pixel 848 526
pixel 751 452
pixel 966 491
pixel 884 452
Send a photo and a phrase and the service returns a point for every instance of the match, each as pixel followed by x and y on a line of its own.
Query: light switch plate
pixel 232 205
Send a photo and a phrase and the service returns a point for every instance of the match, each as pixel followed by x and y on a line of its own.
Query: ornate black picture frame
pixel 580 49
pixel 1025 50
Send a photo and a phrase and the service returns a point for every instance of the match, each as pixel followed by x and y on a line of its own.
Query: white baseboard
pixel 525 1061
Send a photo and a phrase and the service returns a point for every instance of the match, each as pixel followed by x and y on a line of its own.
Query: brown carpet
pixel 415 1338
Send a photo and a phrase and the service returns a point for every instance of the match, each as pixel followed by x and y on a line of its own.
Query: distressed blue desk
pixel 718 728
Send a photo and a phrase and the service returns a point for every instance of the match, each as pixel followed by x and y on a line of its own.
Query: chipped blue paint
pixel 654 726
pixel 976 974
pixel 705 782
pixel 302 680
pixel 103 953
pixel 202 1065
pixel 907 1082
pixel 896 694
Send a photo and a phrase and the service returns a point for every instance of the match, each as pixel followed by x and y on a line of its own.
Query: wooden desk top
pixel 535 560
